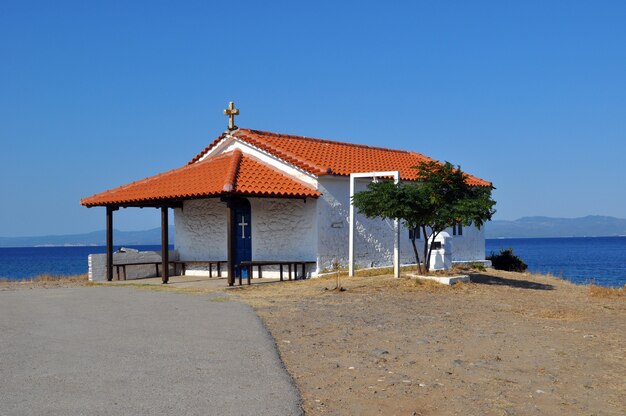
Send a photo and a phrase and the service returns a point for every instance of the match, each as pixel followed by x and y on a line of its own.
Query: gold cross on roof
pixel 231 112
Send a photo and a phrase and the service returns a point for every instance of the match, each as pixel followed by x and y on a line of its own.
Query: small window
pixel 457 229
pixel 414 232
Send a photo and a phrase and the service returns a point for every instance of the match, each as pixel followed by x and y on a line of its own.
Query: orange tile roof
pixel 231 172
pixel 322 157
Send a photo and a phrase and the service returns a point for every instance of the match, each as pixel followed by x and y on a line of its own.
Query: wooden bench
pixel 143 263
pixel 249 265
pixel 184 263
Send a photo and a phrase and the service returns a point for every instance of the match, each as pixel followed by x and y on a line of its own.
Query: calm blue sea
pixel 27 262
pixel 600 260
pixel 582 260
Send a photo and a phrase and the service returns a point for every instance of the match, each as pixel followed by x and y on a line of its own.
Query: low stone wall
pixel 485 263
pixel 98 264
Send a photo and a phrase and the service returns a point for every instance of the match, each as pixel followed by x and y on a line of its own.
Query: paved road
pixel 124 351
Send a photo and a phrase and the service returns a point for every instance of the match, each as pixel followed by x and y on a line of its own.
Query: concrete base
pixel 445 280
pixel 486 263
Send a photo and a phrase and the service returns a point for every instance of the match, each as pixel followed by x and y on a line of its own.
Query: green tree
pixel 440 198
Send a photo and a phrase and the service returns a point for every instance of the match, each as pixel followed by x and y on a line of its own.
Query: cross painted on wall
pixel 243 224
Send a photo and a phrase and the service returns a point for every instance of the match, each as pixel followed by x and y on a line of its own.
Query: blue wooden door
pixel 243 237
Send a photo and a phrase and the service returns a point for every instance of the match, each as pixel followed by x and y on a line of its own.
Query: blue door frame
pixel 243 236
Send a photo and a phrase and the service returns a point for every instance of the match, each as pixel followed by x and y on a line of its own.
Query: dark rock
pixel 379 352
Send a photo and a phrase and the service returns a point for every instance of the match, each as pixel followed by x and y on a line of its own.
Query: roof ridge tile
pixel 233 169
pixel 326 141
pixel 206 149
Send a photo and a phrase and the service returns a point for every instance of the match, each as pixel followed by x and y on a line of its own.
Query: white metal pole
pixel 351 238
pixel 396 222
pixel 396 238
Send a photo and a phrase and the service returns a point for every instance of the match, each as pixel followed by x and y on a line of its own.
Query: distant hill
pixel 538 227
pixel 527 227
pixel 95 238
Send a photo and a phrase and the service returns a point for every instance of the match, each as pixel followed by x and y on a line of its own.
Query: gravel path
pixel 123 351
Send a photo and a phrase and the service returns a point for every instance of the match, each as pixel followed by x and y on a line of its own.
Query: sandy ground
pixel 506 344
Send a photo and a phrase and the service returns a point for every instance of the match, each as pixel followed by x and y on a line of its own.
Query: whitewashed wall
pixel 284 229
pixel 98 264
pixel 374 237
pixel 201 232
pixel 470 246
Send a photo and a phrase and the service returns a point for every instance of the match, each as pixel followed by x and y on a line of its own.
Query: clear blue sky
pixel 531 95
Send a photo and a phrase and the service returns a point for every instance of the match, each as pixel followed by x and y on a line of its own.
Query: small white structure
pixel 441 254
pixel 256 196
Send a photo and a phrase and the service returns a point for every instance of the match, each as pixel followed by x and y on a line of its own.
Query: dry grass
pixel 55 278
pixel 47 279
pixel 557 314
pixel 375 271
pixel 606 292
pixel 380 271
pixel 323 287
pixel 468 268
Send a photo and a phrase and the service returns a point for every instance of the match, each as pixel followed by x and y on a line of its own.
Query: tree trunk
pixel 417 255
pixel 430 249
pixel 426 258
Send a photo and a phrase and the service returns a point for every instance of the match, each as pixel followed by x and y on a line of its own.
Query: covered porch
pixel 237 186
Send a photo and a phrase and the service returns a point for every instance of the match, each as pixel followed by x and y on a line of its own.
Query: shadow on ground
pixel 501 281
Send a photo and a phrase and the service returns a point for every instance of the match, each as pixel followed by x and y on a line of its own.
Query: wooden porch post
pixel 110 242
pixel 230 242
pixel 165 246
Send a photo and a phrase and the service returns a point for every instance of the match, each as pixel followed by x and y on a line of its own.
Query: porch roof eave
pixel 178 202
